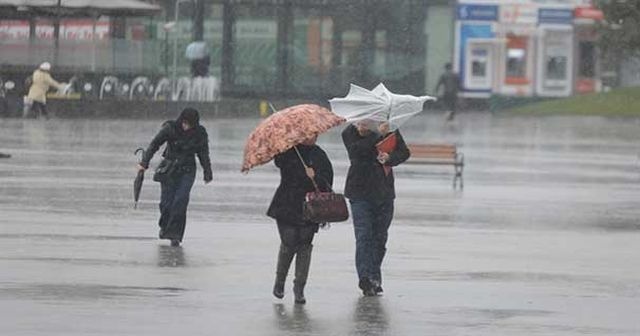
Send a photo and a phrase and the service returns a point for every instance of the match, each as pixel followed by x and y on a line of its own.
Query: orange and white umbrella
pixel 285 129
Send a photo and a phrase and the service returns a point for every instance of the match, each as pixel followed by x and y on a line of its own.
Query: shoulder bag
pixel 323 206
pixel 165 170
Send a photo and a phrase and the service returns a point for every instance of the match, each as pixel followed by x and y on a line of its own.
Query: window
pixel 256 37
pixel 312 49
pixel 516 62
pixel 587 59
pixel 479 64
pixel 479 68
pixel 213 36
pixel 516 65
pixel 557 67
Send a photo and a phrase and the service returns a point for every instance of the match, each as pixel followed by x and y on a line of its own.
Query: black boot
pixel 285 255
pixel 303 261
pixel 367 286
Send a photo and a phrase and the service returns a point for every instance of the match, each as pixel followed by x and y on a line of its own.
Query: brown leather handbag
pixel 323 206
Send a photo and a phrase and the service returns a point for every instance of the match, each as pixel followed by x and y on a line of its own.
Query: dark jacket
pixel 366 179
pixel 288 200
pixel 451 83
pixel 182 146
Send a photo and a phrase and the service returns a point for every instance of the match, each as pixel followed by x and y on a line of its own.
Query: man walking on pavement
pixel 451 83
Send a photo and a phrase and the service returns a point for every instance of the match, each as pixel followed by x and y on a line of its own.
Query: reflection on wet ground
pixel 169 256
pixel 59 293
pixel 370 317
pixel 543 240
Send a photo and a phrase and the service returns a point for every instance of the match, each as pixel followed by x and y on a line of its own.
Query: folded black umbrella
pixel 137 183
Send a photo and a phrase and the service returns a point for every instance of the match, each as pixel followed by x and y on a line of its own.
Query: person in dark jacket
pixel 296 234
pixel 450 81
pixel 185 139
pixel 371 194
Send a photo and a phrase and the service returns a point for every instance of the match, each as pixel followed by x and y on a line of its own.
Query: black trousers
pixel 39 109
pixel 293 235
pixel 450 101
pixel 174 200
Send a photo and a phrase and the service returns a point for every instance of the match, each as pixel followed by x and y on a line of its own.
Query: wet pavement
pixel 544 239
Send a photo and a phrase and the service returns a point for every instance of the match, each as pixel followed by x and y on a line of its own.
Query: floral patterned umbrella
pixel 285 129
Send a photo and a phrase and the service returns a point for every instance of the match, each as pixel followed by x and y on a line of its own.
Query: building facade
pixel 543 48
pixel 317 47
pixel 258 48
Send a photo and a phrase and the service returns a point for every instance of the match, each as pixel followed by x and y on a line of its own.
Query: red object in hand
pixel 387 145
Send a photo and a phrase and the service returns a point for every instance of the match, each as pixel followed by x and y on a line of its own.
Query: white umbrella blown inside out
pixel 378 105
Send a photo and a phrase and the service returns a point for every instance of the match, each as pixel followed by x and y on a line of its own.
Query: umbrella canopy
pixel 137 183
pixel 196 50
pixel 285 129
pixel 378 105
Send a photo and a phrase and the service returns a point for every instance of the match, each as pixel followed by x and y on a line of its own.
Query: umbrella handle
pixel 315 185
pixel 140 149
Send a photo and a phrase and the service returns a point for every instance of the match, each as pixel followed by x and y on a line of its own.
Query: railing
pixel 100 55
pixel 198 89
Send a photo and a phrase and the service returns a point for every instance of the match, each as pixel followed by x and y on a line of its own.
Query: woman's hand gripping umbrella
pixel 137 183
pixel 284 129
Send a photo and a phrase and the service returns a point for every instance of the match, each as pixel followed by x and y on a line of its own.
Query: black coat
pixel 288 200
pixel 183 146
pixel 366 179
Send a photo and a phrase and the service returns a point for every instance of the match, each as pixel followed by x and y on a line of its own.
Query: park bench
pixel 438 154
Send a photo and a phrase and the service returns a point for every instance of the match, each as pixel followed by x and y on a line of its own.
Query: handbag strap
pixel 315 185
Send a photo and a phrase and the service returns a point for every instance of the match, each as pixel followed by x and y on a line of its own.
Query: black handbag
pixel 323 206
pixel 165 169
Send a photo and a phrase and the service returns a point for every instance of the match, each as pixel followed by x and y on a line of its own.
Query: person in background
pixel 185 139
pixel 296 233
pixel 450 81
pixel 41 82
pixel 371 193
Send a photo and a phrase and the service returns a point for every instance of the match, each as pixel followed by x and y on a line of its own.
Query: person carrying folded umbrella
pixel 371 193
pixel 185 139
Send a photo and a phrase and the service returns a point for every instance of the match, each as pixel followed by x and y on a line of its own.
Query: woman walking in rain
pixel 41 82
pixel 296 234
pixel 185 139
pixel 371 192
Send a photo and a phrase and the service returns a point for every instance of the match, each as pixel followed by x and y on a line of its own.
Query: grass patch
pixel 618 102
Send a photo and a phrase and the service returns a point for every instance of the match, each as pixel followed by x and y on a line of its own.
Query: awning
pixel 80 7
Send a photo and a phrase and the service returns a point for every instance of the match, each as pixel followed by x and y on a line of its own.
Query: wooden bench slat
pixel 438 154
pixel 432 148
pixel 432 153
pixel 432 162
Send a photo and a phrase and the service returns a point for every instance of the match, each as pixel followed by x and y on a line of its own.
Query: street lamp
pixel 167 27
pixel 175 42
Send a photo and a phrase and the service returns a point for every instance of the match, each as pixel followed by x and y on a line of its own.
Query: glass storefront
pixel 315 48
pixel 311 50
pixel 255 36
